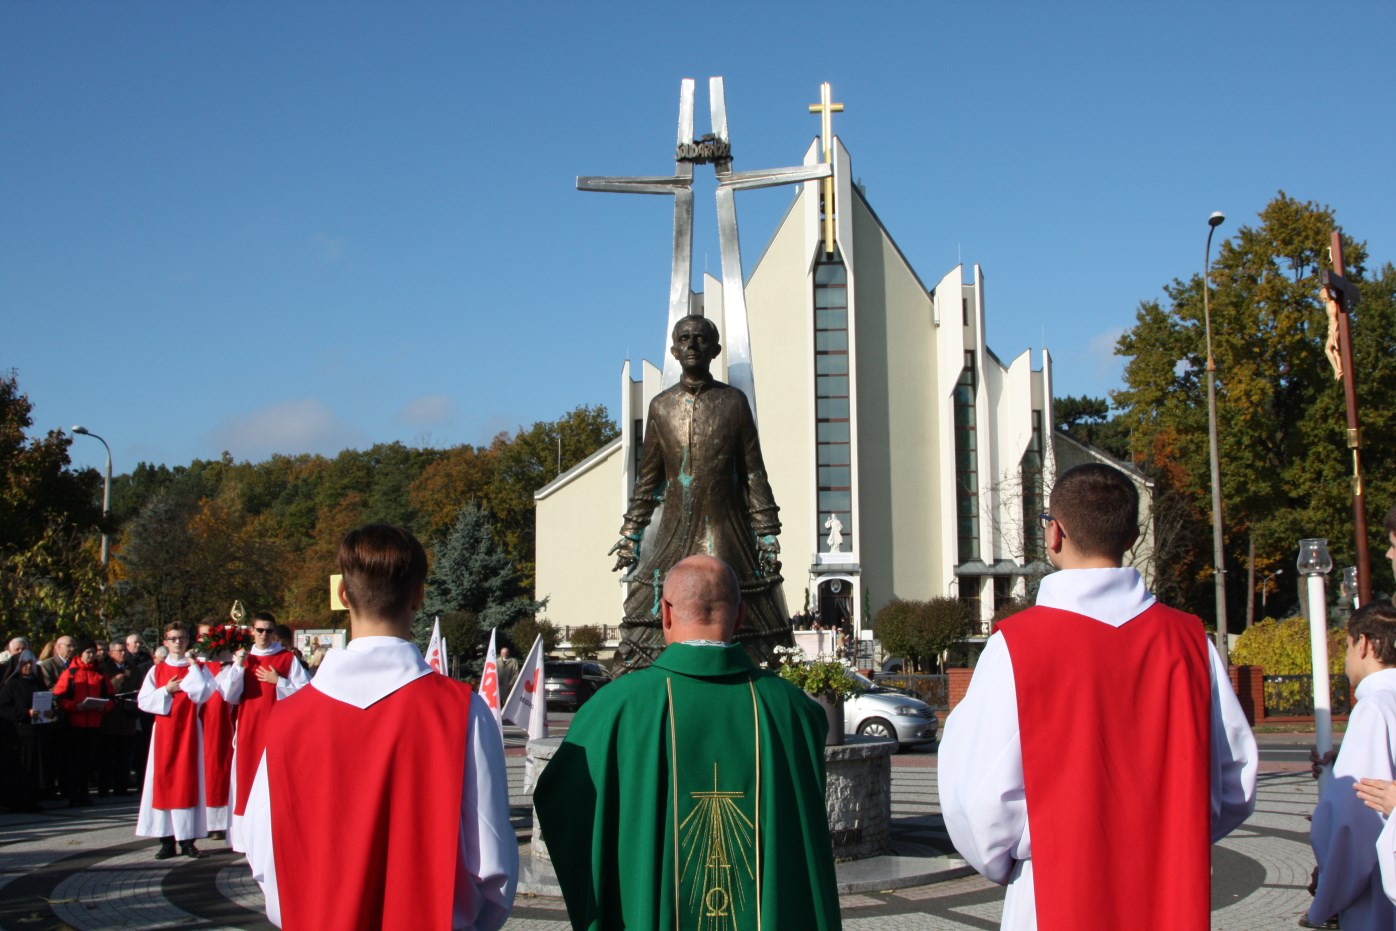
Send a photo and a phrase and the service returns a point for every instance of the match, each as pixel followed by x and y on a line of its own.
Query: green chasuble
pixel 690 795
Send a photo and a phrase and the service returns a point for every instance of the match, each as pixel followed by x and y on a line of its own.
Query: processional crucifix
pixel 1341 297
pixel 714 149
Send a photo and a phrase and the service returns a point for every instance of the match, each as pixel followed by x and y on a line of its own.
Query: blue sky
pixel 297 226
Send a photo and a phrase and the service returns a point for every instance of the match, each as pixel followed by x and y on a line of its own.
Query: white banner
pixel 528 703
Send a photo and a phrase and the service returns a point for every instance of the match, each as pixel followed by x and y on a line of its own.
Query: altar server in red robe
pixel 253 683
pixel 1100 749
pixel 216 716
pixel 421 835
pixel 172 801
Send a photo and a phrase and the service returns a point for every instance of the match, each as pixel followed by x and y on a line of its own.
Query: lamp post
pixel 1314 563
pixel 1265 587
pixel 1214 221
pixel 106 489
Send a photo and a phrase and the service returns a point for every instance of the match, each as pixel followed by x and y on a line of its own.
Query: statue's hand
pixel 767 555
pixel 625 553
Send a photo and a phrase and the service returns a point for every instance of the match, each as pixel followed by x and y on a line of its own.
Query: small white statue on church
pixel 835 528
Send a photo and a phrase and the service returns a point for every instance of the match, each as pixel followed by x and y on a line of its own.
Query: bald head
pixel 702 601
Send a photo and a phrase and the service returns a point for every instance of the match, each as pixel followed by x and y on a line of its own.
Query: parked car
pixel 877 711
pixel 570 683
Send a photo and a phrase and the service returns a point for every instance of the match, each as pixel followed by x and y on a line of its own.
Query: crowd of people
pixel 692 791
pixel 85 734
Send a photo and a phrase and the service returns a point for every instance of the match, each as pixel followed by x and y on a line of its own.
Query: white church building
pixel 908 460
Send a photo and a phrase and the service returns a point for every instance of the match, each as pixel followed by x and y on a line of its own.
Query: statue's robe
pixel 702 461
pixel 690 794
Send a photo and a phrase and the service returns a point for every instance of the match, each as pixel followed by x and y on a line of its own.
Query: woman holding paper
pixel 83 694
pixel 17 715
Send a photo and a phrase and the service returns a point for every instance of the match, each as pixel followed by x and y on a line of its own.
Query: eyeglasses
pixel 264 630
pixel 1047 520
pixel 180 639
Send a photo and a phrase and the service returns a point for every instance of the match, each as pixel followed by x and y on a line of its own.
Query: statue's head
pixel 695 344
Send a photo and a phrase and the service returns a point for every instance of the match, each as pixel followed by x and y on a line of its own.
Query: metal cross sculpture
pixel 714 149
pixel 1343 293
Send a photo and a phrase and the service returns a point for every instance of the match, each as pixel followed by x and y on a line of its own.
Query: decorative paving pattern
pixel 84 870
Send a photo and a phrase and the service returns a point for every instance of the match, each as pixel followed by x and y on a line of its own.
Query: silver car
pixel 877 711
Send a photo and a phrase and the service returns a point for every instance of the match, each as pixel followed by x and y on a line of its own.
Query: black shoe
pixel 187 849
pixel 167 850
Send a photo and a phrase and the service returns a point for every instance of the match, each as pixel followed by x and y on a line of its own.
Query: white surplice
pixel 370 669
pixel 1345 831
pixel 230 686
pixel 180 823
pixel 980 760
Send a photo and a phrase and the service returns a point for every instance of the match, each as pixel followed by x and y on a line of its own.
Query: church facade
pixel 908 460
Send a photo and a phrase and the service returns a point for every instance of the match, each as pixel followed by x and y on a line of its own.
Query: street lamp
pixel 106 489
pixel 1265 587
pixel 1314 563
pixel 1214 221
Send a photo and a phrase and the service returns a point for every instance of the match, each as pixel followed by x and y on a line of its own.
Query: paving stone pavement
pixel 83 869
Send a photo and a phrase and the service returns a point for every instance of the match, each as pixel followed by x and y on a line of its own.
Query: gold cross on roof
pixel 826 110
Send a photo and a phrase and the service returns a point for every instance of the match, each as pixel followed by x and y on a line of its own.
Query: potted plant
pixel 828 679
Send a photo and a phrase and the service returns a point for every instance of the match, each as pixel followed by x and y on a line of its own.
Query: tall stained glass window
pixel 1032 492
pixel 831 399
pixel 967 462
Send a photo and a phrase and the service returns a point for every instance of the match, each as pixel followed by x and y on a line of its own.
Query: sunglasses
pixel 264 630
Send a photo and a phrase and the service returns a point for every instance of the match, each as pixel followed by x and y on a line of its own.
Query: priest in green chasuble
pixel 690 794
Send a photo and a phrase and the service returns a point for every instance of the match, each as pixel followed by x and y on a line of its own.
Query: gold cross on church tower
pixel 826 110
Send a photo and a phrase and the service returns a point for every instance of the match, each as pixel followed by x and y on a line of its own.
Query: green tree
pixel 921 630
pixel 1281 430
pixel 184 558
pixel 531 628
pixel 473 574
pixel 1087 420
pixel 37 484
pixel 530 460
pixel 51 580
pixel 587 641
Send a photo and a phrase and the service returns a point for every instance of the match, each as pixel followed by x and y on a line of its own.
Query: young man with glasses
pixel 252 683
pixel 1100 749
pixel 172 800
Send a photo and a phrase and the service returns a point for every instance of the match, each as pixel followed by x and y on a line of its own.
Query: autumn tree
pixel 530 460
pixel 1281 429
pixel 51 580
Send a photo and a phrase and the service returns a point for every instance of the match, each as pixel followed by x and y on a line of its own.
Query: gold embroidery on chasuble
pixel 717 854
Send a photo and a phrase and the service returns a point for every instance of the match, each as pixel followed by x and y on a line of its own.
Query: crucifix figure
pixel 1341 297
pixel 715 149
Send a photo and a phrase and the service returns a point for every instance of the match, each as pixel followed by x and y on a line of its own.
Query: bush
pixel 1281 648
pixel 921 630
pixel 587 641
pixel 529 629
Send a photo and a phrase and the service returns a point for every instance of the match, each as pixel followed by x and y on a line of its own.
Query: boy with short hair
pixel 1344 831
pixel 388 733
pixel 172 800
pixel 1100 749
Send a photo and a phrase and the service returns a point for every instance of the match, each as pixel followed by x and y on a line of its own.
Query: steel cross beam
pixel 714 149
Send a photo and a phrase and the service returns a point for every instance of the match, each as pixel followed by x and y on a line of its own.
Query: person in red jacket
pixel 84 696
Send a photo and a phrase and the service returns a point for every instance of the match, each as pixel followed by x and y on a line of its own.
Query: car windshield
pixel 869 685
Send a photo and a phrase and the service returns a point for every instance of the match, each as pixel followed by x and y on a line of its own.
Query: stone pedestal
pixel 540 751
pixel 858 795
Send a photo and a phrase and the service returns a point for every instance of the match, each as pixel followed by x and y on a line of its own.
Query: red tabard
pixel 1115 726
pixel 254 710
pixel 387 855
pixel 217 718
pixel 176 745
